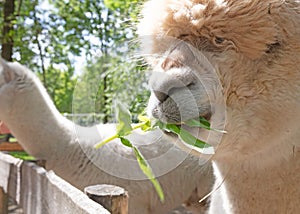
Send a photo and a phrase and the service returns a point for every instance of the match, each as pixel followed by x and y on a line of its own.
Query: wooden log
pixel 41 163
pixel 5 146
pixel 113 198
pixel 3 202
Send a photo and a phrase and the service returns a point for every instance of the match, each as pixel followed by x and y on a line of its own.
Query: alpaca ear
pixel 6 71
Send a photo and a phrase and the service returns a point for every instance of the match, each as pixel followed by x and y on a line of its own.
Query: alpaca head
pixel 13 81
pixel 6 74
pixel 205 52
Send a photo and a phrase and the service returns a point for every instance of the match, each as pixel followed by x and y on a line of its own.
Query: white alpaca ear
pixel 6 72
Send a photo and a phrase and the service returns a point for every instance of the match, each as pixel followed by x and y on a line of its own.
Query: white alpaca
pixel 254 50
pixel 68 149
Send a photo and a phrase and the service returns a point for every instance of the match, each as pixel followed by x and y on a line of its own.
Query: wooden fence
pixel 39 191
pixel 8 146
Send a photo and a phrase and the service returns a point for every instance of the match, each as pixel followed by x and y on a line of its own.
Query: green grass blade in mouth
pixel 145 167
pixel 202 123
pixel 184 135
pixel 125 127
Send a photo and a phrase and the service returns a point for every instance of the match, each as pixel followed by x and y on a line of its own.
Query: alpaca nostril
pixel 161 96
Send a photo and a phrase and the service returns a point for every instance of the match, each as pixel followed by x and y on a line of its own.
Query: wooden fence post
pixel 113 198
pixel 3 202
pixel 41 163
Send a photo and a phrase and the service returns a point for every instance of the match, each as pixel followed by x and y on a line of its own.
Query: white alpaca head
pixel 7 76
pixel 13 82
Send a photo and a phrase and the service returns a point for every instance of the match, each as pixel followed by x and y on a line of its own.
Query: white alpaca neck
pixel 263 183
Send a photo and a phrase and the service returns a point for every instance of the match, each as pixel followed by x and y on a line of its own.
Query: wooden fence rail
pixel 7 146
pixel 39 191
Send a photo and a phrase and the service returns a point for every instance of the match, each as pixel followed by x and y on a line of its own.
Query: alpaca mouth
pixel 206 116
pixel 179 117
pixel 180 105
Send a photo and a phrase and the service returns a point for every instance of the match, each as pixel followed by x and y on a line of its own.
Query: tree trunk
pixel 7 38
pixel 41 55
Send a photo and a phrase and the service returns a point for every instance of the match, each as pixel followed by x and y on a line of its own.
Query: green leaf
pixel 204 121
pixel 126 142
pixel 144 118
pixel 184 135
pixel 145 167
pixel 146 121
pixel 191 140
pixel 201 123
pixel 124 120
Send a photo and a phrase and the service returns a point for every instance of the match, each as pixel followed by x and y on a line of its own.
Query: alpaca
pixel 43 132
pixel 253 49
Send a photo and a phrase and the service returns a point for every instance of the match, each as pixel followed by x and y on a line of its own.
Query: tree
pixel 125 81
pixel 48 35
pixel 26 38
pixel 61 86
pixel 99 21
pixel 105 23
pixel 7 29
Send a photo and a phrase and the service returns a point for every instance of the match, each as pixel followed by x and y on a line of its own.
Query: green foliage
pixel 125 128
pixel 61 86
pixel 132 7
pixel 183 134
pixel 35 45
pixel 22 155
pixel 202 123
pixel 109 79
pixel 145 167
pixel 91 27
pixel 50 34
pixel 124 120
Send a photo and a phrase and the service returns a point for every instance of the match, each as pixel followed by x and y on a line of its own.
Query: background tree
pixel 7 29
pixel 50 36
pixel 125 81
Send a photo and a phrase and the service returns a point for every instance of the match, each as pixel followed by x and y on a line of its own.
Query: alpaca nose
pixel 174 74
pixel 166 84
pixel 161 96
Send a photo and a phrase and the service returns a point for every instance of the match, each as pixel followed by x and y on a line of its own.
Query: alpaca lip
pixel 160 116
pixel 207 116
pixel 176 118
pixel 171 134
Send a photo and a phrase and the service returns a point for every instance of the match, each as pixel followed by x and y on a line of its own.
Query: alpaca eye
pixel 219 40
pixel 271 48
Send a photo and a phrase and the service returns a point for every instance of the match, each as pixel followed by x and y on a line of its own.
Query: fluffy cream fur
pixel 254 48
